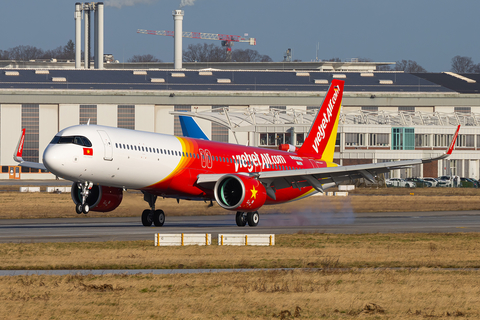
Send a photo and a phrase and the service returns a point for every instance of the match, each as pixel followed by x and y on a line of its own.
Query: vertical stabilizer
pixel 320 142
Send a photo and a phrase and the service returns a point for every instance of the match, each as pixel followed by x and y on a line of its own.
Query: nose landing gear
pixel 83 206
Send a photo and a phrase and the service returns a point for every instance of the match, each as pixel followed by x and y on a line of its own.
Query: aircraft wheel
pixel 86 208
pixel 158 218
pixel 146 220
pixel 253 218
pixel 79 208
pixel 240 219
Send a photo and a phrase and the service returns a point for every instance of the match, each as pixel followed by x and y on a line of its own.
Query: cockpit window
pixel 78 140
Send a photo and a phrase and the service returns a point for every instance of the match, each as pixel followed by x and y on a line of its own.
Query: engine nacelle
pixel 239 193
pixel 101 198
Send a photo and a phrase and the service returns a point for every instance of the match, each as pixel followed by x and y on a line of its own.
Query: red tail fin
pixel 320 142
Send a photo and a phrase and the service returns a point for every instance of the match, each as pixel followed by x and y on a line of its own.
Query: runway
pixel 89 228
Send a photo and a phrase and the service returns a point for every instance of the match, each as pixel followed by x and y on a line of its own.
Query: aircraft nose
pixel 52 159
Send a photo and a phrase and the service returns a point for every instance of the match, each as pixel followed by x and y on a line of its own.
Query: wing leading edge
pixel 318 177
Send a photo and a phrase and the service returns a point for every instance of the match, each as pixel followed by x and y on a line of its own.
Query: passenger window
pixel 116 145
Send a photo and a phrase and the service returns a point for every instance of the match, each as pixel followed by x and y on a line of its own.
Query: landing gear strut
pixel 251 217
pixel 157 217
pixel 83 206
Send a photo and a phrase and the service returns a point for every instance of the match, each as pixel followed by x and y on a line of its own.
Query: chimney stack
pixel 178 36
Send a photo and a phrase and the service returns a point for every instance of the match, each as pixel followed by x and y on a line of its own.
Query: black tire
pixel 158 218
pixel 79 208
pixel 240 219
pixel 253 218
pixel 86 208
pixel 146 220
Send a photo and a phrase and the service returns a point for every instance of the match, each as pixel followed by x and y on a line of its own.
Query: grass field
pixel 366 289
pixel 420 285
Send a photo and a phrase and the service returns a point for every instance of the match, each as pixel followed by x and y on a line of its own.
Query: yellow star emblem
pixel 254 193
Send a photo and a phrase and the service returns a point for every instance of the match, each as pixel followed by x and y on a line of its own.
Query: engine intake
pixel 101 198
pixel 239 193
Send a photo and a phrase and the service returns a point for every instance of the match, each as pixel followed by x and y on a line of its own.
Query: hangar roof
pixel 232 80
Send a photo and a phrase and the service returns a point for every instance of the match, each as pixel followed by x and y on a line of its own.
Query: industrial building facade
pixel 386 116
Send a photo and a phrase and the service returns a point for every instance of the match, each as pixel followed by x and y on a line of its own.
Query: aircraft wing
pixel 317 177
pixel 17 155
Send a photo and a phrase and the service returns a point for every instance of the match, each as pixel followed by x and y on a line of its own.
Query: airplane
pixel 103 161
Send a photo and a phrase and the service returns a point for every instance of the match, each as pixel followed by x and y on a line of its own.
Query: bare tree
pixel 409 66
pixel 143 58
pixel 463 65
pixel 69 50
pixel 4 55
pixel 249 55
pixel 204 53
pixel 25 53
pixel 336 59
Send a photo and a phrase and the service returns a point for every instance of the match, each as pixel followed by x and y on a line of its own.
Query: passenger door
pixel 107 144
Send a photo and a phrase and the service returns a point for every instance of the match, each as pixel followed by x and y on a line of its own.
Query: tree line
pixel 213 53
pixel 26 53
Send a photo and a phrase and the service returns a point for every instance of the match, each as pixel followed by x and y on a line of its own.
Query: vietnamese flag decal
pixel 87 151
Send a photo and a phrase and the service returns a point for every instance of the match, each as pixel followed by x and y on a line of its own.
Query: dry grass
pixel 14 205
pixel 459 250
pixel 370 294
pixel 405 293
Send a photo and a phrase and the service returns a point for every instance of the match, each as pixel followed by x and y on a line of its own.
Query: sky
pixel 430 32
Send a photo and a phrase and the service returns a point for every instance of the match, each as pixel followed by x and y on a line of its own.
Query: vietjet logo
pixel 326 118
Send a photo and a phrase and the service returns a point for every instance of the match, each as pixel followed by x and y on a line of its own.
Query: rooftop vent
pixel 140 72
pixel 178 75
pixel 12 73
pixel 157 80
pixel 205 73
pixel 59 79
pixel 303 74
pixel 385 81
pixel 224 80
pixel 321 81
pixel 339 76
pixel 42 72
pixel 367 74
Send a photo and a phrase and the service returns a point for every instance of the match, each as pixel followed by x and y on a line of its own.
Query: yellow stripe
pixel 330 147
pixel 246 240
pixel 182 239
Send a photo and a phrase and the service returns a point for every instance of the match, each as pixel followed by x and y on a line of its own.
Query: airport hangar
pixel 386 115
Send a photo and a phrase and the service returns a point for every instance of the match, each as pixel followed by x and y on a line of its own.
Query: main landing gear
pixel 85 188
pixel 157 217
pixel 251 217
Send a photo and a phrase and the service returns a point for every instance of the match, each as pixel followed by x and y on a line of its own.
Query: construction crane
pixel 227 40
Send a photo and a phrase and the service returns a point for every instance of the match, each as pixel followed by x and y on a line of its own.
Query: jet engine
pixel 101 198
pixel 237 192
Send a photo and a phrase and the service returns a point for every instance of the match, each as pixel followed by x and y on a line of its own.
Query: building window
pixel 422 140
pixel 462 109
pixel 408 109
pixel 465 140
pixel 299 139
pixel 354 139
pixel 126 117
pixel 403 139
pixel 276 139
pixel 88 112
pixel 219 132
pixel 370 108
pixel 442 140
pixel 30 123
pixel 177 127
pixel 378 139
